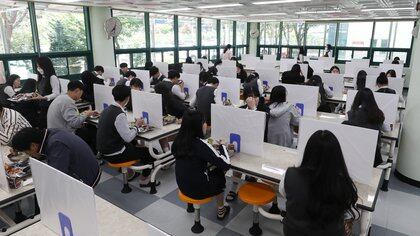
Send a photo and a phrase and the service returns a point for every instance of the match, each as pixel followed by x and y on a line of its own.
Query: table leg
pixel 388 170
pixel 365 222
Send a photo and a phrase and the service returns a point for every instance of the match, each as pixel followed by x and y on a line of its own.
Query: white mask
pixel 41 71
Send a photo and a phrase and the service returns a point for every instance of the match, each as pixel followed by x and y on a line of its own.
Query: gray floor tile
pixel 404 212
pixel 174 219
pixel 228 232
pixel 381 231
pixel 398 185
pixel 105 176
pixel 110 170
pixel 167 182
pixel 132 202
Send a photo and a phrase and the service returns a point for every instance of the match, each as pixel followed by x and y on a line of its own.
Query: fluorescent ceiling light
pixel 314 12
pixel 67 1
pixel 220 6
pixel 279 1
pixel 389 9
pixel 175 9
pixel 227 16
pixel 270 14
pixel 328 11
pixel 305 12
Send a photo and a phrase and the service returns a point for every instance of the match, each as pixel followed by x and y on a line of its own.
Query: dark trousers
pixel 88 134
pixel 132 153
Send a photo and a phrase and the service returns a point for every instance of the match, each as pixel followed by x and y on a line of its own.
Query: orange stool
pixel 124 166
pixel 256 194
pixel 197 227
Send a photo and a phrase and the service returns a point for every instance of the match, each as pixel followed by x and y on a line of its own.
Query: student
pixel 98 71
pixel 391 73
pixel 63 151
pixel 177 84
pixel 396 61
pixel 204 97
pixel 241 73
pixel 361 80
pixel 136 84
pixel 128 77
pixel 255 103
pixel 310 70
pixel 382 84
pixel 124 69
pixel 170 89
pixel 155 76
pixel 319 193
pixel 148 65
pixel 7 90
pixel 328 51
pixel 194 160
pixel 301 54
pixel 29 109
pixel 227 52
pixel 114 137
pixel 294 76
pixel 11 122
pixel 203 77
pixel 324 92
pixel 188 60
pixel 201 66
pixel 48 87
pixel 28 87
pixel 365 113
pixel 253 84
pixel 283 116
pixel 89 79
pixel 335 70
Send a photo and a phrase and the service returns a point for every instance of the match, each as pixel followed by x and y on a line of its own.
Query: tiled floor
pixel 397 211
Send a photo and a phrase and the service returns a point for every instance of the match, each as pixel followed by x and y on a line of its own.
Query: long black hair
pixel 382 79
pixel 11 79
pixel 29 86
pixel 335 67
pixel 332 190
pixel 278 94
pixel 296 69
pixel 46 65
pixel 191 128
pixel 316 80
pixel 361 80
pixel 227 48
pixel 392 73
pixel 366 100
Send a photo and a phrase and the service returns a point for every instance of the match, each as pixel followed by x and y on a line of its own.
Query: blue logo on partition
pixel 186 91
pixel 265 83
pixel 235 139
pixel 301 108
pixel 145 117
pixel 224 96
pixel 105 105
pixel 65 225
pixel 331 88
pixel 112 83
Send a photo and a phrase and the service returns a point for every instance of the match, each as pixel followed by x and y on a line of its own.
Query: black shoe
pixel 226 212
pixel 231 196
pixel 148 185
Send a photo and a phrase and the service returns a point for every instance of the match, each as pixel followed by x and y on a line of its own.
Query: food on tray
pixel 168 119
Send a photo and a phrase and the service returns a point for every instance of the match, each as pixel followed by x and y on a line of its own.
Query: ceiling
pixel 248 11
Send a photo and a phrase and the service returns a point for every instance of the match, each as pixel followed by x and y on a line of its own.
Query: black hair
pixel 87 77
pixel 296 69
pixel 302 50
pixel 334 67
pixel 123 65
pixel 191 128
pixel 397 59
pixel 366 100
pixel 240 66
pixel 395 62
pixel 251 77
pixel 29 86
pixel 212 80
pixel 201 66
pixel 382 79
pixel 148 65
pixel 316 80
pixel 332 191
pixel 204 77
pixel 99 68
pixel 130 73
pixel 189 60
pixel 278 94
pixel 204 57
pixel 172 74
pixel 75 84
pixel 329 47
pixel 136 82
pixel 23 139
pixel 121 92
pixel 46 65
pixel 154 70
pixel 392 73
pixel 213 70
pixel 218 62
pixel 361 80
pixel 227 48
pixel 11 79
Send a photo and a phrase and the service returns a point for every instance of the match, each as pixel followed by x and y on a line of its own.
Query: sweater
pixel 63 114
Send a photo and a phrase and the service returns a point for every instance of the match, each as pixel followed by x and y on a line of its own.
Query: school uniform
pixel 195 176
pixel 242 75
pixel 155 81
pixel 6 92
pixel 11 122
pixel 289 78
pixel 255 86
pixel 123 81
pixel 49 88
pixel 297 189
pixel 282 117
pixel 171 104
pixel 88 93
pixel 204 97
pixel 63 114
pixel 385 89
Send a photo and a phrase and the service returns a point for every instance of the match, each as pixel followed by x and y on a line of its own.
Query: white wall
pixel 253 43
pixel 102 47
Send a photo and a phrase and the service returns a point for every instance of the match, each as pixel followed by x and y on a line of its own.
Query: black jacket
pixel 289 78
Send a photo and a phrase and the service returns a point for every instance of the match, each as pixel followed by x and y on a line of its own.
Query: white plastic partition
pixel 286 64
pixel 148 106
pixel 250 62
pixel 63 85
pixel 225 71
pixel 111 72
pixel 204 62
pixel 370 71
pixel 241 127
pixel 358 145
pixel 265 64
pixel 364 62
pixel 304 97
pixel 229 88
pixel 193 69
pixel 267 57
pixel 351 67
pixel 191 85
pixel 144 76
pixel 390 62
pixel 388 103
pixel 396 84
pixel 163 67
pixel 317 66
pixel 269 77
pixel 328 62
pixel 67 205
pixel 228 63
pixel 334 81
pixel 397 67
pixel 103 96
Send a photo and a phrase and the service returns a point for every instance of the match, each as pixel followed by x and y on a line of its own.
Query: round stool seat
pixel 187 199
pixel 256 194
pixel 122 165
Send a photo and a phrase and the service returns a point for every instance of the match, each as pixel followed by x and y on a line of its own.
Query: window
pixel 209 32
pixel 187 30
pixel 161 31
pixel 15 28
pixel 21 68
pixel 268 51
pixel 77 65
pixel 226 32
pixel 61 28
pixel 133 30
pixel 393 34
pixel 168 57
pixel 182 55
pixel 355 34
pixel 139 59
pixel 293 33
pixel 123 58
pixel 156 56
pixel 313 52
pixel 241 33
pixel 347 55
pixel 60 66
pixel 270 33
pixel 321 34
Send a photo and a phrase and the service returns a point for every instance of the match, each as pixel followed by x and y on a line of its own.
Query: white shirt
pixel 11 122
pixel 194 99
pixel 176 90
pixel 227 55
pixel 55 85
pixel 9 91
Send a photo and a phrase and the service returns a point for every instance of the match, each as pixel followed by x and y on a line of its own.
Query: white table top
pixel 15 194
pixel 277 159
pixel 111 221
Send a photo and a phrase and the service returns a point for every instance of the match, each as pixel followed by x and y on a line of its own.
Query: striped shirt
pixel 11 122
